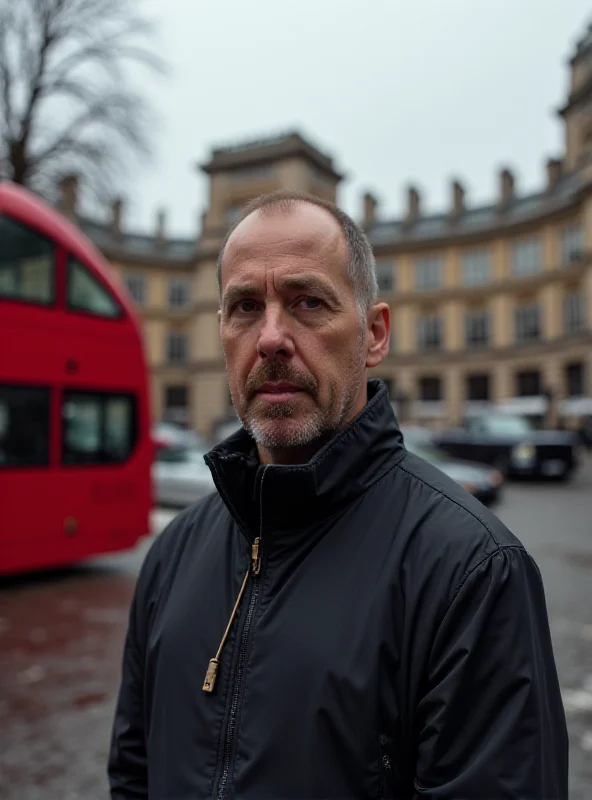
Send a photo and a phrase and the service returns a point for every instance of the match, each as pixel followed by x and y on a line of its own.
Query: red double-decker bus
pixel 75 446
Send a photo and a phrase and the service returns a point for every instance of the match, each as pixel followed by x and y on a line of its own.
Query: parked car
pixel 585 431
pixel 167 434
pixel 512 445
pixel 180 476
pixel 480 480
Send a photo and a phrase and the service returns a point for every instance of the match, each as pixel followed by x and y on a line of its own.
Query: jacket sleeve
pixel 127 766
pixel 490 721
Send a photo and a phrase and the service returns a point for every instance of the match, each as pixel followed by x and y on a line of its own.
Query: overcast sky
pixel 397 91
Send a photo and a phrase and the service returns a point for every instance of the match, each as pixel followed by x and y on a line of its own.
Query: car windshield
pixel 500 425
pixel 179 455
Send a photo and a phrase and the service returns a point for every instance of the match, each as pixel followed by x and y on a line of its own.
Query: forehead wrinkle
pixel 259 241
pixel 287 246
pixel 250 269
pixel 305 234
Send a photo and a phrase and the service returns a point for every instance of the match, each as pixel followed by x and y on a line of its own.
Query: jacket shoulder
pixel 457 512
pixel 441 532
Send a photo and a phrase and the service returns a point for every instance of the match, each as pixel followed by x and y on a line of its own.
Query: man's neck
pixel 289 456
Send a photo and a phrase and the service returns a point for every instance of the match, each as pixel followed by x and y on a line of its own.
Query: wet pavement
pixel 61 638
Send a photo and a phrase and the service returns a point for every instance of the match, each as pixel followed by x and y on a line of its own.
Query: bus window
pixel 119 427
pixel 24 426
pixel 97 428
pixel 26 264
pixel 86 293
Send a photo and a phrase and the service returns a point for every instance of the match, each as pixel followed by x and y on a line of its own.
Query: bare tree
pixel 67 101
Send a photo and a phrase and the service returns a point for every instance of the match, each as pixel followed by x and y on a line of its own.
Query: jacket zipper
pixel 386 770
pixel 387 773
pixel 254 570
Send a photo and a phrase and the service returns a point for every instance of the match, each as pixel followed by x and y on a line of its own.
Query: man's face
pixel 295 346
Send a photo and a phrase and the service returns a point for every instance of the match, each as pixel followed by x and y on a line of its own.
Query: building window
pixel 86 293
pixel 528 324
pixel 477 387
pixel 430 332
pixel 179 292
pixel 177 348
pixel 385 276
pixel 526 257
pixel 98 428
pixel 429 271
pixel 477 329
pixel 476 267
pixel 528 383
pixel 574 312
pixel 574 379
pixel 24 426
pixel 572 244
pixel 136 286
pixel 176 404
pixel 430 389
pixel 26 264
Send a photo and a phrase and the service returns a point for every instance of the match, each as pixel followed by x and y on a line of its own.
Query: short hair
pixel 361 266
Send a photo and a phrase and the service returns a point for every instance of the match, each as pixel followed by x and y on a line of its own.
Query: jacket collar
pixel 294 496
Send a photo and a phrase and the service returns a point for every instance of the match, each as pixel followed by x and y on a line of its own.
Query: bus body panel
pixel 63 512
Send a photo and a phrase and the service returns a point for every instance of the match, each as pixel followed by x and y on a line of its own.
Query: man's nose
pixel 275 338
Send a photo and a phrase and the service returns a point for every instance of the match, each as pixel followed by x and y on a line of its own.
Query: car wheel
pixel 567 475
pixel 502 464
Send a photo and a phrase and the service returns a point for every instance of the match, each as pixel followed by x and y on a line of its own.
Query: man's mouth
pixel 278 391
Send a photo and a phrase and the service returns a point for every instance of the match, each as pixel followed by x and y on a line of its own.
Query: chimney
pixel 68 200
pixel 160 234
pixel 554 169
pixel 458 200
pixel 413 205
pixel 506 188
pixel 370 206
pixel 116 216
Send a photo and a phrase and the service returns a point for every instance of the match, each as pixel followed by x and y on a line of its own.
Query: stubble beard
pixel 279 427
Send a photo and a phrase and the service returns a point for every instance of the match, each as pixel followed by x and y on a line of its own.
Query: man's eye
pixel 310 303
pixel 246 306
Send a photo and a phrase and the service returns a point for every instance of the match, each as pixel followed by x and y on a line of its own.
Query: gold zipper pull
pixel 256 556
pixel 211 675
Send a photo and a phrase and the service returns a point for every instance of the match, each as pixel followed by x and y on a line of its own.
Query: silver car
pixel 167 434
pixel 180 476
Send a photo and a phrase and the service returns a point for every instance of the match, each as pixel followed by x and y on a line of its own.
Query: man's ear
pixel 379 332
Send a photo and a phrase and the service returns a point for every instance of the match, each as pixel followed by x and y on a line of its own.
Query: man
pixel 340 620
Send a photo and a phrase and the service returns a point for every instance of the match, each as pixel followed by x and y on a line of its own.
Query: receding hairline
pixel 361 266
pixel 280 203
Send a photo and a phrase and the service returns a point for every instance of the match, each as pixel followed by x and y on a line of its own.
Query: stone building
pixel 490 303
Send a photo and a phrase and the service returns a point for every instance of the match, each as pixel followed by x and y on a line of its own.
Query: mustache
pixel 279 371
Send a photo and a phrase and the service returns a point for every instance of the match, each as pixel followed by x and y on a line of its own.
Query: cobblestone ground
pixel 61 638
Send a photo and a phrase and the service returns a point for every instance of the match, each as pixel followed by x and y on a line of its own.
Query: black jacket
pixel 392 639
